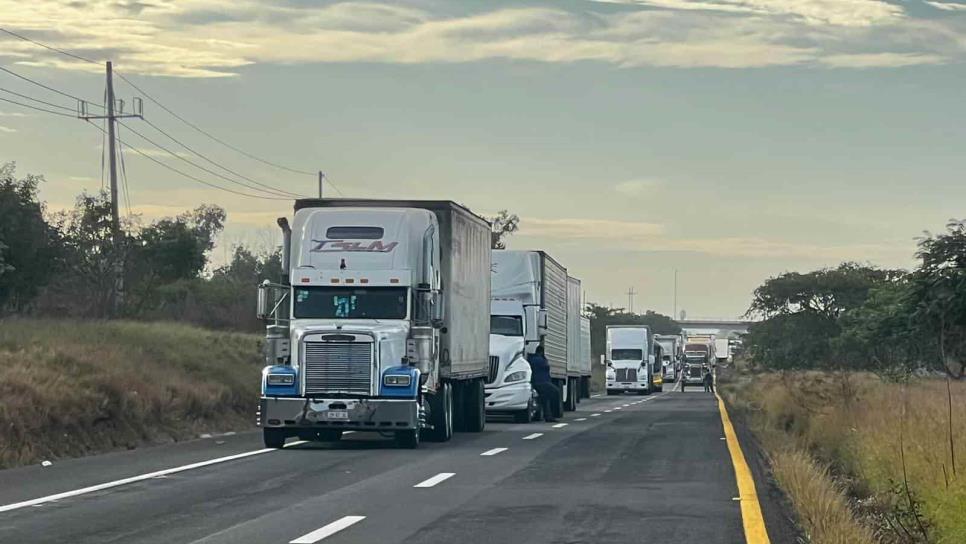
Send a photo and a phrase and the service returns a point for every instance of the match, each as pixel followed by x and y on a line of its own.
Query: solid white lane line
pixel 594 415
pixel 139 478
pixel 581 419
pixel 492 452
pixel 559 425
pixel 532 436
pixel 328 530
pixel 441 477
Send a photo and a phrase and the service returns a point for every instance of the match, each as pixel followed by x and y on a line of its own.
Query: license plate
pixel 337 414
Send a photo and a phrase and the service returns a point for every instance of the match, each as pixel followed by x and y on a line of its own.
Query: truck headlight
pixel 397 380
pixel 280 379
pixel 514 377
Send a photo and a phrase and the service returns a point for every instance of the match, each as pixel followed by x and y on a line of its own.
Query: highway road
pixel 621 469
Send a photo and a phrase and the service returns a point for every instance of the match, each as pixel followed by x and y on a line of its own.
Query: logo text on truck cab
pixel 337 246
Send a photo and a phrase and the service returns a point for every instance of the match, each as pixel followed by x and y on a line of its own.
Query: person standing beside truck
pixel 708 381
pixel 540 377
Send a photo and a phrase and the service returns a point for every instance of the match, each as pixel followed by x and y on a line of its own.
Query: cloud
pixel 947 6
pixel 7 130
pixel 636 187
pixel 214 38
pixel 11 114
pixel 640 236
pixel 812 12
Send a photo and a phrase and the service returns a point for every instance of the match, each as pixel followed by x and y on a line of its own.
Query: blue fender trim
pixel 395 391
pixel 280 390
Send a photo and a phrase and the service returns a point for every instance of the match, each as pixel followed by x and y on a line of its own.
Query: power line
pixel 49 88
pixel 225 168
pixel 189 176
pixel 45 46
pixel 51 104
pixel 210 135
pixel 198 166
pixel 37 108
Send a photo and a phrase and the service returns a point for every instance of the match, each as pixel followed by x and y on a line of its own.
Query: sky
pixel 730 140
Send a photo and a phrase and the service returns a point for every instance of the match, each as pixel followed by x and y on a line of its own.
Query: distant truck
pixel 722 350
pixel 381 323
pixel 630 359
pixel 529 302
pixel 669 356
pixel 578 367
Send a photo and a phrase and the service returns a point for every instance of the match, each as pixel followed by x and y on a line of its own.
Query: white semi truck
pixel 528 309
pixel 630 359
pixel 381 323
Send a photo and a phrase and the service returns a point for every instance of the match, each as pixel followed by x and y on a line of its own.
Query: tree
pixel 938 291
pixel 828 292
pixel 502 225
pixel 29 246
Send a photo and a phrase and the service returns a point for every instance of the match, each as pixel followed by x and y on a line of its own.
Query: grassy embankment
pixel 862 460
pixel 70 388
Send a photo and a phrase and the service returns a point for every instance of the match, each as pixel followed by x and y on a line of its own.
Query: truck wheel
pixel 273 438
pixel 611 392
pixel 524 416
pixel 474 407
pixel 585 387
pixel 558 410
pixel 441 414
pixel 408 439
pixel 570 403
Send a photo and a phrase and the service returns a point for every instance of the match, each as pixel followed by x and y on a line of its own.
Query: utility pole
pixel 117 293
pixel 630 300
pixel 321 179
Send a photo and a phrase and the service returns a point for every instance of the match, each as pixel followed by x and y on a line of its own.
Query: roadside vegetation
pixel 72 388
pixel 853 384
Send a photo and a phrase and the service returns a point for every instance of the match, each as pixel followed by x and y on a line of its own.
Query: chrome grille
pixel 338 367
pixel 627 374
pixel 494 369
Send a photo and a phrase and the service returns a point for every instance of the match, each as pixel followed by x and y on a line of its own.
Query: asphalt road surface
pixel 623 469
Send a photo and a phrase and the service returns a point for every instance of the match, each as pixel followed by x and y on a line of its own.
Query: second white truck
pixel 629 359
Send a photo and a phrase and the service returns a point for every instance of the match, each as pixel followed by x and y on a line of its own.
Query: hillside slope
pixel 72 388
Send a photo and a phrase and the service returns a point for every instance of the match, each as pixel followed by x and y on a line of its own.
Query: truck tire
pixel 440 415
pixel 570 402
pixel 273 438
pixel 585 387
pixel 408 439
pixel 612 392
pixel 474 407
pixel 558 410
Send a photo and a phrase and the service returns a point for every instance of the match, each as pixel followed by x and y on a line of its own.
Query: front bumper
pixel 346 414
pixel 626 386
pixel 509 397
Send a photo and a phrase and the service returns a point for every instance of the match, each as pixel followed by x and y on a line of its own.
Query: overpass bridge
pixel 721 327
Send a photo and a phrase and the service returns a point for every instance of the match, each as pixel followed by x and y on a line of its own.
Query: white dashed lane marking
pixel 532 436
pixel 328 530
pixel 441 477
pixel 494 451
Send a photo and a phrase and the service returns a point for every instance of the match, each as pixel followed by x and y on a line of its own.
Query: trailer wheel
pixel 474 407
pixel 408 439
pixel 441 414
pixel 570 403
pixel 273 438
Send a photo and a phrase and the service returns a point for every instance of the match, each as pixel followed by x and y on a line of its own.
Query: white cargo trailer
pixel 382 323
pixel 585 358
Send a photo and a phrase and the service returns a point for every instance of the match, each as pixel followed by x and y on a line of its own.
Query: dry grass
pixel 856 424
pixel 71 388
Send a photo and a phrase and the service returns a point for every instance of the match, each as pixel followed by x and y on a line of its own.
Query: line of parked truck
pixel 396 317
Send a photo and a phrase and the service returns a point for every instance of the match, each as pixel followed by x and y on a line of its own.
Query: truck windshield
pixel 350 302
pixel 506 325
pixel 626 355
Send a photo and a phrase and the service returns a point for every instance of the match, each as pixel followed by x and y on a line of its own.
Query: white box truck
pixel 586 361
pixel 629 359
pixel 576 373
pixel 529 303
pixel 669 358
pixel 722 350
pixel 381 323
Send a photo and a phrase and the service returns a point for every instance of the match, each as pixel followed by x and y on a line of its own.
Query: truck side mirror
pixel 265 303
pixel 542 321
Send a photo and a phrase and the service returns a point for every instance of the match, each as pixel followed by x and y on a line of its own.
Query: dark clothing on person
pixel 708 382
pixel 540 378
pixel 540 368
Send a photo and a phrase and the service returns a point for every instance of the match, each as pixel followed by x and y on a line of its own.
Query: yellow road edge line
pixel 751 518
